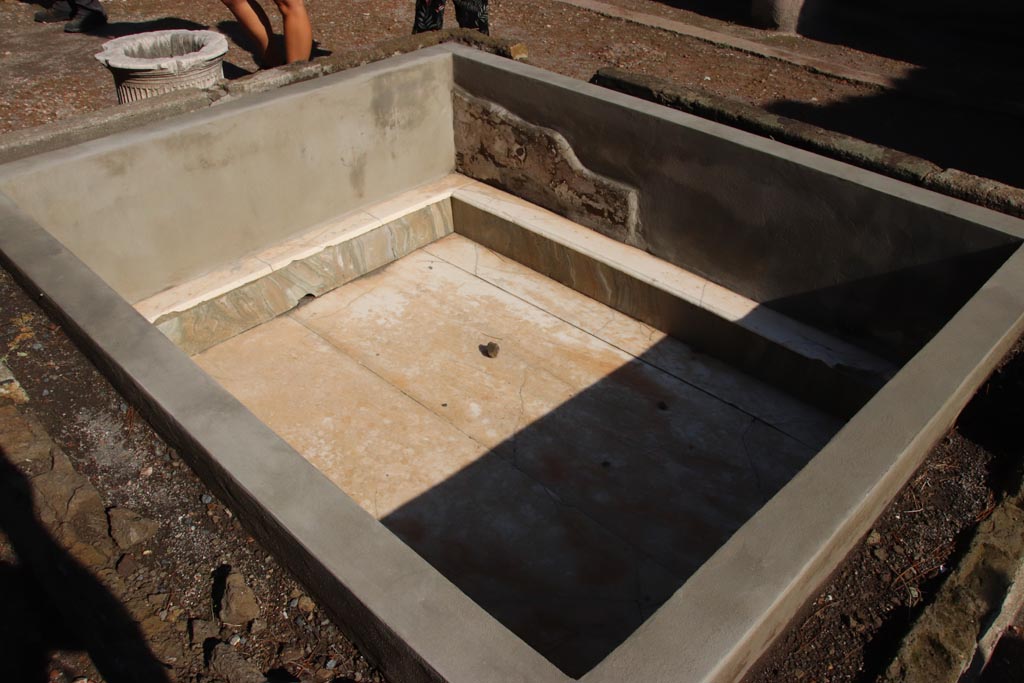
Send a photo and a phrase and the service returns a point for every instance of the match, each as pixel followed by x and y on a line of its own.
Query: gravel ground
pixel 171 584
pixel 49 75
pixel 172 579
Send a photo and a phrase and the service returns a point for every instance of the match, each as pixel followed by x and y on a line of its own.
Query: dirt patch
pixel 851 631
pixel 173 543
pixel 49 75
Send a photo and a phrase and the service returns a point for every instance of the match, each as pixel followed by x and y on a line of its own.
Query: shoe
pixel 85 21
pixel 53 15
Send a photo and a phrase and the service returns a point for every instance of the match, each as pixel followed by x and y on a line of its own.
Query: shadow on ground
pixel 49 602
pixel 118 29
pixel 236 34
pixel 964 114
pixel 961 107
pixel 733 11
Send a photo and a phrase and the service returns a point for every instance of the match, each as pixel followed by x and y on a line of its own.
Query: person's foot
pixel 85 21
pixel 52 15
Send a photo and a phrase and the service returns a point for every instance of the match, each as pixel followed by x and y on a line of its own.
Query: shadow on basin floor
pixel 581 524
pixel 574 530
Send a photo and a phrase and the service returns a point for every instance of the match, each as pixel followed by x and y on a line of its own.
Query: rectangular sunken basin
pixel 715 358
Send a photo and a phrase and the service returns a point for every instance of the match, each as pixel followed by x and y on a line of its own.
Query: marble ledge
pixel 671 280
pixel 419 197
pixel 205 287
pixel 306 245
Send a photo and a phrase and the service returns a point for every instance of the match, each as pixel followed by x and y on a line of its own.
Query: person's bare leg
pixel 256 23
pixel 298 33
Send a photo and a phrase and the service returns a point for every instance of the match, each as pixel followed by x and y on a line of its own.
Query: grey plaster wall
pixel 872 260
pixel 159 205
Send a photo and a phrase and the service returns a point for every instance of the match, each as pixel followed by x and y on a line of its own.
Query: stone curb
pixel 955 636
pixel 921 172
pixel 58 134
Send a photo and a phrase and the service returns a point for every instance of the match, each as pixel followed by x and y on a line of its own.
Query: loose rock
pixel 128 528
pixel 238 606
pixel 232 667
pixel 292 653
pixel 158 599
pixel 127 566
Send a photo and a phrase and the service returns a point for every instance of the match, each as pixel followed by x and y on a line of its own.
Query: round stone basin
pixel 148 64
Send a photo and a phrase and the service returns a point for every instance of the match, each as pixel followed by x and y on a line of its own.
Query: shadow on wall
pixel 895 314
pixel 574 530
pixel 48 601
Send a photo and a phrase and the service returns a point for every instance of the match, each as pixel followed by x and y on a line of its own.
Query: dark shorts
pixel 469 14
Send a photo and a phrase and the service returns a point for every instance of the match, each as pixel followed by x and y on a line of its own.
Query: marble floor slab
pixel 570 484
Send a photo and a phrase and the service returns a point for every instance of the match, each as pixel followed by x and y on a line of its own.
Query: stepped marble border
pixel 215 307
pixel 811 364
pixel 815 366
